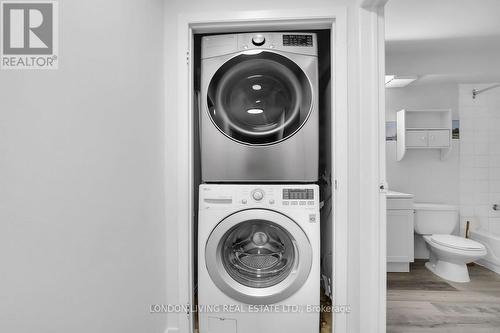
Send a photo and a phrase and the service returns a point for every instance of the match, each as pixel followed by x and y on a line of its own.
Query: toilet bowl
pixel 449 254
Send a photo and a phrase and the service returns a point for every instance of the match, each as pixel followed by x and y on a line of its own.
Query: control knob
pixel 258 40
pixel 257 195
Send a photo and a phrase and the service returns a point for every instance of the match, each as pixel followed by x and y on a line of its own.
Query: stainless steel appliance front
pixel 259 108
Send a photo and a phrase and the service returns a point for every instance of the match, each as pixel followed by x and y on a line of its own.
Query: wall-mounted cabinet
pixel 424 129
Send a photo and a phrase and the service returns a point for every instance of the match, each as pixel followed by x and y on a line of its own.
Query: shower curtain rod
pixel 476 92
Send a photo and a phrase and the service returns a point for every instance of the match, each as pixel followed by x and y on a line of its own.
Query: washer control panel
pixel 251 196
pixel 298 194
pixel 298 197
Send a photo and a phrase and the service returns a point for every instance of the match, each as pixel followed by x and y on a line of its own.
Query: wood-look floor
pixel 420 301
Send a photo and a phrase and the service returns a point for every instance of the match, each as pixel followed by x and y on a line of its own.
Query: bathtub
pixel 492 243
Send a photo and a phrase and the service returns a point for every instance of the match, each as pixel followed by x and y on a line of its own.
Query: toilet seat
pixel 458 243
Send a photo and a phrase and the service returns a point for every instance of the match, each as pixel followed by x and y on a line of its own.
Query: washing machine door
pixel 258 256
pixel 259 99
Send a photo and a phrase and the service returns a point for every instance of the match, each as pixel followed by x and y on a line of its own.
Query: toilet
pixel 449 254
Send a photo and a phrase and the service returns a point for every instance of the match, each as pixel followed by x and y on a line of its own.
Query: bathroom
pixel 442 78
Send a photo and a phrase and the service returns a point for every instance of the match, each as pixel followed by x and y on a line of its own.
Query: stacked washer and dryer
pixel 258 220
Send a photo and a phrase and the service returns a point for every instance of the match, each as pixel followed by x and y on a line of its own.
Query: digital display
pixel 297 40
pixel 298 194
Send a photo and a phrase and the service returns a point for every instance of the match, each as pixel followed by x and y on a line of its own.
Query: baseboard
pixel 172 330
pixel 489 265
pixel 398 267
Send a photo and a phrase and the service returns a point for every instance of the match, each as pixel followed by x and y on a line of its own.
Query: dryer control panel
pixel 298 40
pixel 264 196
pixel 303 43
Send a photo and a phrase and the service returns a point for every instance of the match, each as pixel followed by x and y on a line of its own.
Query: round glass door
pixel 258 256
pixel 258 253
pixel 259 99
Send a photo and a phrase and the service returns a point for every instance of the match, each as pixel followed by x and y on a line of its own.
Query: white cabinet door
pixel 416 139
pixel 439 138
pixel 400 236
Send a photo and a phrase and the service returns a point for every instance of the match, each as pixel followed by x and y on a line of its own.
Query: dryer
pixel 259 107
pixel 258 258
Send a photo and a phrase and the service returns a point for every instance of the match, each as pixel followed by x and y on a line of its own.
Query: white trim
pixel 372 153
pixel 382 169
pixel 373 4
pixel 340 166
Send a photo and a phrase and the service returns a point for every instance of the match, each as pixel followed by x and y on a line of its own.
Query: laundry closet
pixel 262 232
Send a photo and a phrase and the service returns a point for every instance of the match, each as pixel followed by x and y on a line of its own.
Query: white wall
pixel 422 172
pixel 82 229
pixel 480 156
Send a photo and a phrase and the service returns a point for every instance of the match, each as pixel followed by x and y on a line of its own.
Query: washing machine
pixel 259 107
pixel 258 258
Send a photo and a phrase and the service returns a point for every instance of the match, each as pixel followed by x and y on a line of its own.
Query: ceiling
pixel 444 41
pixel 441 19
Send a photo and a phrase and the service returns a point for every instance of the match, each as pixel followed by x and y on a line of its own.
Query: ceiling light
pixel 256 87
pixel 395 81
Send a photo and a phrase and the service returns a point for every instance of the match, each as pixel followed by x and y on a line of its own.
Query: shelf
pixel 427 110
pixel 424 129
pixel 426 148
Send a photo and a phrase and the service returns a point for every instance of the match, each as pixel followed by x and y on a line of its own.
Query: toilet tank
pixel 435 218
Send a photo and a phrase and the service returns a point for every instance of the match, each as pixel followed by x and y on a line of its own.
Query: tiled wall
pixel 480 156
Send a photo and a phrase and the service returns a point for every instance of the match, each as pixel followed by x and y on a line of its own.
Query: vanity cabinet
pixel 400 229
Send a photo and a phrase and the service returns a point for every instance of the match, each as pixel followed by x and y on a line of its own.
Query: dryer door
pixel 259 99
pixel 258 256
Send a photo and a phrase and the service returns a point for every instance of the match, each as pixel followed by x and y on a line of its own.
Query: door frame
pixel 334 18
pixel 347 281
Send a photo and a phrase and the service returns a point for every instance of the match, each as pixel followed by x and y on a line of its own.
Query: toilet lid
pixel 457 242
